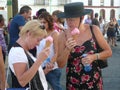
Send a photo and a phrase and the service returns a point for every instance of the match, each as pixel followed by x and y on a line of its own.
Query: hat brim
pixel 64 15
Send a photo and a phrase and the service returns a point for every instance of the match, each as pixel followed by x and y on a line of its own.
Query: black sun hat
pixel 72 10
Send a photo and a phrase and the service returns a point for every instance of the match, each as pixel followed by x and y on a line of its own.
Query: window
pixel 41 2
pixel 101 2
pixel 112 13
pixel 89 2
pixel 102 13
pixel 47 2
pixel 62 2
pixel 112 2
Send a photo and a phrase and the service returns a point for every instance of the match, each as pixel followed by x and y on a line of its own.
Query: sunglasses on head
pixel 42 27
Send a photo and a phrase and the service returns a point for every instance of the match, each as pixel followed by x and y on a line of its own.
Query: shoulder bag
pixel 102 63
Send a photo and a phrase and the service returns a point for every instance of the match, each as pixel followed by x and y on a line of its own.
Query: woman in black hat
pixel 71 51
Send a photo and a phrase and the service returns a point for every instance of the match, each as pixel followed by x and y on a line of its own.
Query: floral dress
pixel 77 77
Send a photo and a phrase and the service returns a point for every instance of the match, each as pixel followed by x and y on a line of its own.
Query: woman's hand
pixel 70 44
pixel 88 59
pixel 48 67
pixel 43 55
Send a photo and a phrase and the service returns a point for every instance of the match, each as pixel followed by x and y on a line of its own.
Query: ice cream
pixel 49 41
pixel 75 33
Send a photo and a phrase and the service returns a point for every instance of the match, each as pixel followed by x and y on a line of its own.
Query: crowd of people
pixel 109 29
pixel 33 65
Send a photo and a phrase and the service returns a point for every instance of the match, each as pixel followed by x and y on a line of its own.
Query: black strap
pixel 35 83
pixel 93 35
pixel 15 83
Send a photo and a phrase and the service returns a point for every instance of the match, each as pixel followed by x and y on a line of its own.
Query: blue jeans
pixel 53 78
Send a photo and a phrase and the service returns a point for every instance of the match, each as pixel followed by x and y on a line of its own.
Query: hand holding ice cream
pixel 74 33
pixel 49 41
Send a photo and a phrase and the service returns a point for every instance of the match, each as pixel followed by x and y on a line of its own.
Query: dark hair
pixel 40 11
pixel 100 18
pixel 25 9
pixel 56 12
pixel 10 18
pixel 96 14
pixel 48 18
pixel 1 17
pixel 34 17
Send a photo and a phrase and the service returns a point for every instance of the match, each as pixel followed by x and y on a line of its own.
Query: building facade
pixel 3 9
pixel 105 8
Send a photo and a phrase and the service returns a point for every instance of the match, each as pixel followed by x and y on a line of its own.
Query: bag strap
pixel 35 83
pixel 93 35
pixel 15 83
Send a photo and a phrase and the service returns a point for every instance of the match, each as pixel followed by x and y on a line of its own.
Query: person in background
pixel 34 17
pixel 72 51
pixel 95 20
pixel 116 30
pixel 58 22
pixel 26 69
pixel 40 11
pixel 101 25
pixel 2 38
pixel 53 77
pixel 2 71
pixel 8 26
pixel 88 20
pixel 111 33
pixel 118 21
pixel 17 23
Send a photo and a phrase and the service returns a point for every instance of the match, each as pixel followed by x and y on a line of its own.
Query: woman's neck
pixel 22 43
pixel 49 32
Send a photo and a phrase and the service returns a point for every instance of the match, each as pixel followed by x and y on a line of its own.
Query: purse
pixel 102 63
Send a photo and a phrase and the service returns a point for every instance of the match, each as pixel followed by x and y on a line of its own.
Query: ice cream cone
pixel 75 33
pixel 49 41
pixel 74 36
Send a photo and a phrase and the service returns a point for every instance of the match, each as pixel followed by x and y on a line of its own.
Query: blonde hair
pixel 33 26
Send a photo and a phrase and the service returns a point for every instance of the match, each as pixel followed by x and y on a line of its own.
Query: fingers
pixel 70 43
pixel 44 54
pixel 86 60
pixel 46 51
pixel 48 68
pixel 49 65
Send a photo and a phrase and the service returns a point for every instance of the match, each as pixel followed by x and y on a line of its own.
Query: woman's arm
pixel 107 52
pixel 55 44
pixel 2 71
pixel 23 74
pixel 64 47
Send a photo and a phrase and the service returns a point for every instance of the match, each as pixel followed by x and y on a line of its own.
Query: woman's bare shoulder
pixel 62 36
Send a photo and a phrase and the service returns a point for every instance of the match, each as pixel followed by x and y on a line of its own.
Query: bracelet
pixel 97 55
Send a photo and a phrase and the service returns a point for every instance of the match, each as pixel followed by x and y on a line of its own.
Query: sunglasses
pixel 42 27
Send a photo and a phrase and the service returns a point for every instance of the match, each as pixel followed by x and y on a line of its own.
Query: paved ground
pixel 111 74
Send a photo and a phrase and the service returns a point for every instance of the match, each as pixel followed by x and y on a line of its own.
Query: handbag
pixel 101 63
